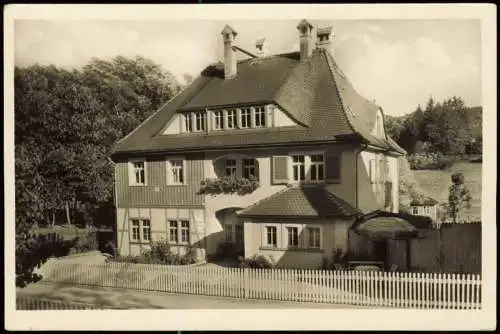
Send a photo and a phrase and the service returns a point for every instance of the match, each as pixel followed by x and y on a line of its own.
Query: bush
pixel 257 262
pixel 84 244
pixel 160 253
pixel 430 161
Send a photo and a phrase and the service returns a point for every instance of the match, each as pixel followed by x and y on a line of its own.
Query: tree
pixel 458 198
pixel 408 186
pixel 66 123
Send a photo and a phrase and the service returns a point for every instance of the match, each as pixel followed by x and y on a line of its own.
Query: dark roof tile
pixel 301 201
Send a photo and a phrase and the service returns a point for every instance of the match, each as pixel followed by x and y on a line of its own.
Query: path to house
pixel 134 299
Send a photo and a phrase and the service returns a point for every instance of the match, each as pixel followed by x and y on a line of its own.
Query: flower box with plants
pixel 229 185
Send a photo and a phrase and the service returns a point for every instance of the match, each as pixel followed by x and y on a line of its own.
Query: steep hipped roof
pixel 301 201
pixel 314 93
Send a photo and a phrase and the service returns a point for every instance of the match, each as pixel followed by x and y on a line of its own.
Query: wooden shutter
pixel 332 167
pixel 280 169
pixel 371 167
pixel 388 195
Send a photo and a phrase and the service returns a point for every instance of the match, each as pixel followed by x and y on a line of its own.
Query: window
pixel 184 232
pixel 218 120
pixel 414 210
pixel 199 124
pixel 293 236
pixel 246 118
pixel 173 235
pixel 239 233
pixel 271 236
pixel 427 209
pixel 141 230
pixel 231 119
pixel 298 167
pixel 249 168
pixel 188 122
pixel 231 167
pixel 135 230
pixel 178 229
pixel 138 171
pixel 176 173
pixel 260 117
pixel 317 167
pixel 314 237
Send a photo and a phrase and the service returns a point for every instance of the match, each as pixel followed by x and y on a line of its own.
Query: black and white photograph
pixel 324 160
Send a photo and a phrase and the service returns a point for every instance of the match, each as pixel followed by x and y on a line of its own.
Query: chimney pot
pixel 306 42
pixel 261 47
pixel 324 37
pixel 228 36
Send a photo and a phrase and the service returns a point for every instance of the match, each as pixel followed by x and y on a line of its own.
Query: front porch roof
pixel 301 201
pixel 386 228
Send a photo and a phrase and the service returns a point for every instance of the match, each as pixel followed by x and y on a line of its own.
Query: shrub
pixel 160 253
pixel 229 185
pixel 84 244
pixel 430 161
pixel 257 262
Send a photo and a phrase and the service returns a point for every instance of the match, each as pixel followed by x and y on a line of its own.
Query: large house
pixel 275 153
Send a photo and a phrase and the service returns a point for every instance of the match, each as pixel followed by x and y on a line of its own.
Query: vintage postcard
pixel 229 167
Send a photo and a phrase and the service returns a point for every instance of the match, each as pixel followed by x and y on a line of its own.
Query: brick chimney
pixel 306 39
pixel 324 37
pixel 228 36
pixel 261 47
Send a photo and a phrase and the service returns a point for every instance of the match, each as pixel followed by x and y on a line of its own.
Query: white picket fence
pixel 389 289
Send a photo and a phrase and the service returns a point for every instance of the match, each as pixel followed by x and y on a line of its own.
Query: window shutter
pixel 332 165
pixel 280 169
pixel 268 112
pixel 371 167
pixel 388 195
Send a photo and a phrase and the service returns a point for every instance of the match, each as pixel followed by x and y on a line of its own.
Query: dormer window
pixel 260 117
pixel 188 122
pixel 231 119
pixel 218 120
pixel 246 118
pixel 200 120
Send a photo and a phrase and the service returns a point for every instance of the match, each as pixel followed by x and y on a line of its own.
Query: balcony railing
pixel 229 185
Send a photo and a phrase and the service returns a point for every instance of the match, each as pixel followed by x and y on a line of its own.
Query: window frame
pixel 140 229
pixel 188 122
pixel 233 167
pixel 414 210
pixel 203 121
pixel 286 236
pixel 308 229
pixel 298 164
pixel 234 118
pixel 132 173
pixel 261 116
pixel 265 236
pixel 317 164
pixel 245 114
pixel 178 229
pixel 170 167
pixel 307 167
pixel 218 117
pixel 246 167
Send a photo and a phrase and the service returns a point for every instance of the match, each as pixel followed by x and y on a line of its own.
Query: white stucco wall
pixel 334 236
pixel 174 126
pixel 281 118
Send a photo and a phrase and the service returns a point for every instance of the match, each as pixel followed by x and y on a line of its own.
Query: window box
pixel 229 185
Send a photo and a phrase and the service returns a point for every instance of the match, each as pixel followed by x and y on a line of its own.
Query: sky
pixel 397 63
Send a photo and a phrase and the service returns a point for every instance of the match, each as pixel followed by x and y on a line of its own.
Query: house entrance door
pixel 380 250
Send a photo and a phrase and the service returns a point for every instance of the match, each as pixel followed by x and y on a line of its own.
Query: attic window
pixel 323 38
